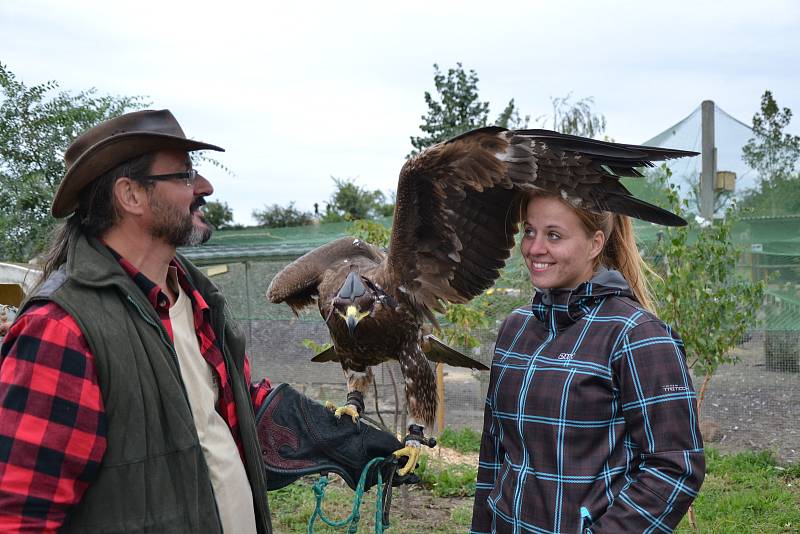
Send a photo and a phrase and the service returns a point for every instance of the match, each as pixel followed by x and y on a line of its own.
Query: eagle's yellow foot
pixel 411 451
pixel 348 409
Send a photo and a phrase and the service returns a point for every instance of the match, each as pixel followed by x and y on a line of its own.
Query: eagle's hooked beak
pixel 352 317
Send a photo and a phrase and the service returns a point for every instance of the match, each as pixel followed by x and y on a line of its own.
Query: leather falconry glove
pixel 300 436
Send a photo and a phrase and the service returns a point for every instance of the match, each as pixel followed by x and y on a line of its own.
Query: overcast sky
pixel 299 92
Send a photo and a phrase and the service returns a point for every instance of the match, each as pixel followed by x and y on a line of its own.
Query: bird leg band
pixel 417 433
pixel 356 398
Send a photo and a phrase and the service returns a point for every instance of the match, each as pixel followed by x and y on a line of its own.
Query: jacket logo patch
pixel 672 388
pixel 565 356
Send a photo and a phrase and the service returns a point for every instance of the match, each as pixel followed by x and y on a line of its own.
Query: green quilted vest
pixel 153 477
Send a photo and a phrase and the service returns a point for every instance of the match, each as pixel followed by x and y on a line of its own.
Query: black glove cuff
pixel 356 398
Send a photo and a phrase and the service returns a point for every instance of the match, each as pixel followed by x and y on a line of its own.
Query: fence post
pixel 440 397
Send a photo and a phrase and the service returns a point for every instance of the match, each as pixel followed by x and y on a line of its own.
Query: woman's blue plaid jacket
pixel 590 422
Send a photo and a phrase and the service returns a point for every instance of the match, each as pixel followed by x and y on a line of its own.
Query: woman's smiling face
pixel 555 245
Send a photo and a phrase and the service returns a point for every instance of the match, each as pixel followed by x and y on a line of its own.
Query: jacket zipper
pixel 586 520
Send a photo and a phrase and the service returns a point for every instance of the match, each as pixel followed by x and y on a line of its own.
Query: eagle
pixel 455 220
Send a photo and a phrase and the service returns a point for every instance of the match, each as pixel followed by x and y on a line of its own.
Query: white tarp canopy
pixel 12 273
pixel 730 136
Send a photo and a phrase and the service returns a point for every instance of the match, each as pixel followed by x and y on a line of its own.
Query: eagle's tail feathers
pixel 327 355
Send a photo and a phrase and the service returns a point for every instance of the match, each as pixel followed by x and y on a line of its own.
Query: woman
pixel 590 422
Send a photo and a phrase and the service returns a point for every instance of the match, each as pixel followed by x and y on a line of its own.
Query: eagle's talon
pixel 348 409
pixel 410 451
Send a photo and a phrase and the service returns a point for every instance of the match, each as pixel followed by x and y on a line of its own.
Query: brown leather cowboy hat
pixel 103 147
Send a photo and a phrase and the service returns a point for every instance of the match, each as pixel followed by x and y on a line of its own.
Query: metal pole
pixel 709 163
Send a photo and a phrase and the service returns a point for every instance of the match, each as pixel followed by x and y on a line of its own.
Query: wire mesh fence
pixel 753 404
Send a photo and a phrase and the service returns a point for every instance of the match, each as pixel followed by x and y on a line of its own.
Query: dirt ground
pixel 748 407
pixel 418 510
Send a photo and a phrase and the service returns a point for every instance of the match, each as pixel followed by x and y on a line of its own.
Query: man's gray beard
pixel 176 228
pixel 197 236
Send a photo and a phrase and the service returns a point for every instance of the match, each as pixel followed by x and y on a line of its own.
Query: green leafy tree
pixel 781 196
pixel 774 154
pixel 457 108
pixel 275 216
pixel 386 209
pixel 576 118
pixel 351 202
pixel 698 292
pixel 37 124
pixel 771 151
pixel 461 323
pixel 371 231
pixel 218 214
pixel 510 117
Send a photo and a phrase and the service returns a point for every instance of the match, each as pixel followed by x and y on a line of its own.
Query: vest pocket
pixel 162 493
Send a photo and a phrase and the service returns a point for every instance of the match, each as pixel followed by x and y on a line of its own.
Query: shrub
pixel 276 216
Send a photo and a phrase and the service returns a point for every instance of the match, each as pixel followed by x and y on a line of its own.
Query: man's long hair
pixel 96 213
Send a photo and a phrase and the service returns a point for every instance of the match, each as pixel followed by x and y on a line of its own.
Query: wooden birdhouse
pixel 725 181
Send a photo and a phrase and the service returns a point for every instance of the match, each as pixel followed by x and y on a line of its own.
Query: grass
pixel 465 440
pixel 447 480
pixel 747 492
pixel 292 506
pixel 742 493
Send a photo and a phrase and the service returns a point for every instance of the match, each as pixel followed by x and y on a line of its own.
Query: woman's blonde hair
pixel 619 251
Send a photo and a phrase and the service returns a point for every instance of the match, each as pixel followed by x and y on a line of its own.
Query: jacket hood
pixel 559 308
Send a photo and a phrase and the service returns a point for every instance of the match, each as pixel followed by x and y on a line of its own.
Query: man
pixel 125 394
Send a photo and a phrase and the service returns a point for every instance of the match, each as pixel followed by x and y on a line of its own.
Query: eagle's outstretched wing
pixel 457 209
pixel 297 283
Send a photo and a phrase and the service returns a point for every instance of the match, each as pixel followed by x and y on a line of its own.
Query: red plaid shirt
pixel 52 418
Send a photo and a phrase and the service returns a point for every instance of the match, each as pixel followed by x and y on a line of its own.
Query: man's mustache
pixel 199 203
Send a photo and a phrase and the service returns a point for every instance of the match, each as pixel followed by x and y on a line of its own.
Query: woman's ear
pixel 598 241
pixel 130 196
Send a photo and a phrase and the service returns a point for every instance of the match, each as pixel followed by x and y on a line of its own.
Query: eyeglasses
pixel 187 176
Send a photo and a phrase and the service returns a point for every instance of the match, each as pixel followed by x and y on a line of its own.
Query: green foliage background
pixel 275 216
pixel 37 123
pixel 218 214
pixel 352 202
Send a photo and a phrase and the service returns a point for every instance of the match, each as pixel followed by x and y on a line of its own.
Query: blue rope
pixel 352 520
